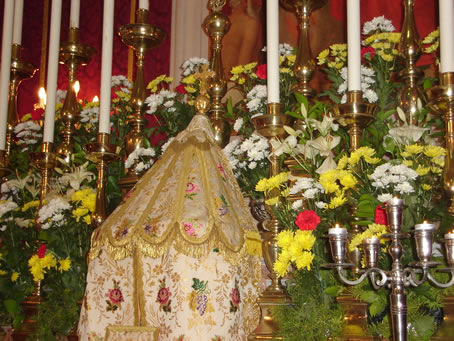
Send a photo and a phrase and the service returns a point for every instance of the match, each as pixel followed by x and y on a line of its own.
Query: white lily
pixel 77 177
pixel 327 165
pixel 19 183
pixel 285 147
pixel 325 144
pixel 407 134
pixel 325 126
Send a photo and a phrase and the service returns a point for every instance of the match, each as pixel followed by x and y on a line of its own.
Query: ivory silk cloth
pixel 181 253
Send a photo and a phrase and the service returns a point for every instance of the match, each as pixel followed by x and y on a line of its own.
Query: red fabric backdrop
pixel 91 12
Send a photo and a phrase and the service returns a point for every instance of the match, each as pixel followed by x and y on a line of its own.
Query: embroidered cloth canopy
pixel 181 253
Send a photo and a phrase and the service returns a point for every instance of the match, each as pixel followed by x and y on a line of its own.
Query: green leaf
pixel 146 143
pixel 388 144
pixel 229 113
pixel 332 291
pixel 376 307
pixel 369 296
pixel 10 306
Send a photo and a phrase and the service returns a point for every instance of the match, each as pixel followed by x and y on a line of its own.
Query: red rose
pixel 369 50
pixel 307 220
pixel 37 114
pixel 261 71
pixel 115 296
pixel 181 90
pixel 42 251
pixel 380 216
pixel 235 295
pixel 163 296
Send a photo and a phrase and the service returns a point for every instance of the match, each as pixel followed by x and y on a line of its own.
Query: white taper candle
pixel 446 36
pixel 74 14
pixel 272 50
pixel 18 14
pixel 106 66
pixel 52 71
pixel 143 4
pixel 7 36
pixel 354 45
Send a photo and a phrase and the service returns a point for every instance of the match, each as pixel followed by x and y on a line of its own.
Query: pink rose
pixel 191 187
pixel 163 296
pixel 235 295
pixel 115 296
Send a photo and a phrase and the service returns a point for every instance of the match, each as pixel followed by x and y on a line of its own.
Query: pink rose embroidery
pixel 115 297
pixel 235 298
pixel 191 190
pixel 189 229
pixel 163 297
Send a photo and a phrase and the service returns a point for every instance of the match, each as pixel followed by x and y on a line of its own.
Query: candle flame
pixel 337 226
pixel 425 222
pixel 42 95
pixel 95 99
pixel 76 87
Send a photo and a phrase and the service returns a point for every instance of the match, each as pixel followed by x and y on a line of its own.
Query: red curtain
pixel 91 12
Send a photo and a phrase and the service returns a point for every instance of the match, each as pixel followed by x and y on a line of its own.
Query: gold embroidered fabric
pixel 132 333
pixel 189 199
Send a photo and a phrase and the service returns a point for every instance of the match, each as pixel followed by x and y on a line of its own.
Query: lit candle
pixel 354 45
pixel 42 97
pixel 446 36
pixel 106 66
pixel 74 14
pixel 449 236
pixel 337 230
pixel 18 13
pixel 7 36
pixel 143 4
pixel 395 202
pixel 272 50
pixel 424 226
pixel 52 71
pixel 76 87
pixel 95 99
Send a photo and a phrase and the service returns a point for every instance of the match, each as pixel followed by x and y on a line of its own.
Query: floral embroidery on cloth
pixel 198 298
pixel 235 298
pixel 115 297
pixel 163 297
pixel 190 227
pixel 191 190
pixel 221 170
pixel 222 205
pixel 123 230
pixel 150 229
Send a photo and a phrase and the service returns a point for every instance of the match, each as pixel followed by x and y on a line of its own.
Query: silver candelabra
pixel 399 277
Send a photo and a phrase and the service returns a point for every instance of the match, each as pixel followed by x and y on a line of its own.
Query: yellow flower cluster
pixel 240 72
pixel 295 248
pixel 86 199
pixel 384 44
pixel 414 157
pixel 335 56
pixel 337 181
pixel 373 230
pixel 153 85
pixel 38 266
pixel 268 184
pixel 31 204
pixel 432 38
pixel 366 153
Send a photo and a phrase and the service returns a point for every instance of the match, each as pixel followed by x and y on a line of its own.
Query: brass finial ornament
pixel 410 51
pixel 141 36
pixel 20 70
pixel 73 54
pixel 271 126
pixel 101 152
pixel 202 102
pixel 216 25
pixel 304 66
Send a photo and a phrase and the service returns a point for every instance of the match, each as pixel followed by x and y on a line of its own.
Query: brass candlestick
pixel 45 161
pixel 102 152
pixel 410 51
pixel 216 25
pixel 141 36
pixel 73 54
pixel 271 126
pixel 20 70
pixel 304 66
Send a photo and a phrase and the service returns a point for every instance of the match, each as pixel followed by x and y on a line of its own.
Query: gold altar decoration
pixel 20 70
pixel 73 54
pixel 45 161
pixel 411 94
pixel 304 66
pixel 271 126
pixel 101 152
pixel 216 25
pixel 141 36
pixel 185 222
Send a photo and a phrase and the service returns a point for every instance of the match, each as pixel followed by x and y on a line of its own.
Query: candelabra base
pixel 355 318
pixel 30 306
pixel 446 330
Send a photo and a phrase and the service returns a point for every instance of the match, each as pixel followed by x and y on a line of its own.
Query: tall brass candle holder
pixel 304 66
pixel 20 70
pixel 141 36
pixel 216 25
pixel 45 161
pixel 410 51
pixel 271 126
pixel 102 152
pixel 73 54
pixel 355 115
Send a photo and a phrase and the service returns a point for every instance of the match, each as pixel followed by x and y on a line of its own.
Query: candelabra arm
pixel 372 271
pixel 441 285
pixel 377 284
pixel 410 277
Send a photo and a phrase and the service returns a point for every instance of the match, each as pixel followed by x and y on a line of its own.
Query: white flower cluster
pixel 76 178
pixel 396 178
pixel 165 98
pixel 256 100
pixel 246 154
pixel 238 124
pixel 90 115
pixel 53 213
pixel 378 23
pixel 123 82
pixel 28 132
pixel 309 189
pixel 167 144
pixel 284 49
pixel 5 208
pixel 192 65
pixel 141 159
pixel 367 78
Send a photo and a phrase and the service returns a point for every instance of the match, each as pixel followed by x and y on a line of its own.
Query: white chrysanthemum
pixel 310 193
pixel 192 65
pixel 256 98
pixel 252 165
pixel 154 101
pixel 28 133
pixel 7 207
pixel 90 115
pixel 320 204
pixel 60 95
pixel 405 188
pixel 378 23
pixel 297 205
pixel 55 207
pixel 136 159
pixel 238 124
pixel 121 80
pixel 384 197
pixel 301 184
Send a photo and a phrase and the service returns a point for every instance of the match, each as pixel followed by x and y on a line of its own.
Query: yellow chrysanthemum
pixel 250 66
pixel 48 261
pixel 30 204
pixel 281 268
pixel 414 149
pixel 322 57
pixel 284 239
pixel 87 219
pixel 304 239
pixel 343 162
pixel 79 213
pixel 426 187
pixel 242 80
pixel 26 117
pixel 408 163
pixel 89 202
pixel 188 79
pixel 14 276
pixel 347 179
pixel 64 264
pixel 337 201
pixel 421 170
pixel 236 70
pixel 439 161
pixel 190 89
pixel 436 170
pixel 262 185
pixel 81 194
pixel 285 70
pixel 431 37
pixel 434 151
pixel 304 261
pixel 272 201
